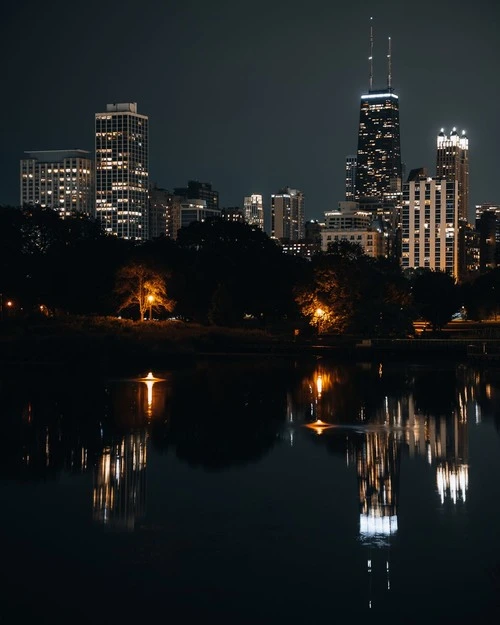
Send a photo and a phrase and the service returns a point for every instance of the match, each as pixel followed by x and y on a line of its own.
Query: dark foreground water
pixel 203 496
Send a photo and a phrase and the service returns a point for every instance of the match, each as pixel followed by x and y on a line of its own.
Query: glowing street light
pixel 319 314
pixel 151 299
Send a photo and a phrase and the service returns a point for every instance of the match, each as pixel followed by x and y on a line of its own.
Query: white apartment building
pixel 348 223
pixel 122 171
pixel 58 179
pixel 429 225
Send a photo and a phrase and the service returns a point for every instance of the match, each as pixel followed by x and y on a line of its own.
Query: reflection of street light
pixel 150 381
pixel 151 299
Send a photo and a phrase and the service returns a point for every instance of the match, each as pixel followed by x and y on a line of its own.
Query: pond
pixel 252 490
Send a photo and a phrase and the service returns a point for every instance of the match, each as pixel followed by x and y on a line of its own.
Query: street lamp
pixel 9 305
pixel 151 299
pixel 320 313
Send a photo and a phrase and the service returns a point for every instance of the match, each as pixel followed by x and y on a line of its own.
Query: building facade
pixel 452 163
pixel 160 213
pixel 122 171
pixel 232 213
pixel 430 225
pixel 287 215
pixel 195 210
pixel 349 223
pixel 253 209
pixel 59 179
pixel 351 166
pixel 196 190
pixel 488 229
pixel 379 150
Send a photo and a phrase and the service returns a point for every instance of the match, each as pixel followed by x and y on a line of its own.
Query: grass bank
pixel 108 342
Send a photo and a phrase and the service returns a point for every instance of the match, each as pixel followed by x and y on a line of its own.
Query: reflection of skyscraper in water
pixel 452 473
pixel 377 457
pixel 119 496
pixel 444 441
pixel 377 466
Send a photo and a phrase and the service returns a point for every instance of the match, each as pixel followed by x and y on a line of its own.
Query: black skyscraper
pixel 379 150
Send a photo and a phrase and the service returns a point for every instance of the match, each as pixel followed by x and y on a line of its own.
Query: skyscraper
pixel 253 209
pixel 122 171
pixel 160 213
pixel 379 150
pixel 287 214
pixel 429 232
pixel 58 179
pixel 350 177
pixel 488 229
pixel 452 163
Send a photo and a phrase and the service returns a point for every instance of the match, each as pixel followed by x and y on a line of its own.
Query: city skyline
pixel 241 137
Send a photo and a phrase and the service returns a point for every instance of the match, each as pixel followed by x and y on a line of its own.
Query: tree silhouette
pixel 436 297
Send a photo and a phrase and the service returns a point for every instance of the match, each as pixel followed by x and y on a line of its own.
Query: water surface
pixel 204 493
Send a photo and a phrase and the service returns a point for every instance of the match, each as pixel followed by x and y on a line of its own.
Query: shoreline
pixel 104 346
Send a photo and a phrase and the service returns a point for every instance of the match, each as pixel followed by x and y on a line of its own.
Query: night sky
pixel 251 96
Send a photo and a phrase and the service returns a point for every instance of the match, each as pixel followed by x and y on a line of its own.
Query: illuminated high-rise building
pixel 488 230
pixel 122 171
pixel 253 209
pixel 160 213
pixel 452 163
pixel 379 151
pixel 58 179
pixel 287 215
pixel 350 177
pixel 429 224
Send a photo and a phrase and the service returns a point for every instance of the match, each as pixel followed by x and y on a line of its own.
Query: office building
pixel 192 210
pixel 232 213
pixel 287 215
pixel 430 225
pixel 122 171
pixel 253 209
pixel 304 249
pixel 488 229
pixel 196 190
pixel 452 163
pixel 350 177
pixel 312 229
pixel 160 213
pixel 58 179
pixel 351 224
pixel 379 150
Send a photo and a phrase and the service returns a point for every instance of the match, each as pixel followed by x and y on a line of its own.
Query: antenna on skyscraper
pixel 389 66
pixel 370 58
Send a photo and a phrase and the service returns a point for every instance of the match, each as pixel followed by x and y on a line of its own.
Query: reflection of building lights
pixel 119 482
pixel 371 525
pixel 452 482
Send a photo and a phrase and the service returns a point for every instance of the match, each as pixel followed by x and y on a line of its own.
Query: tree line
pixel 223 273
